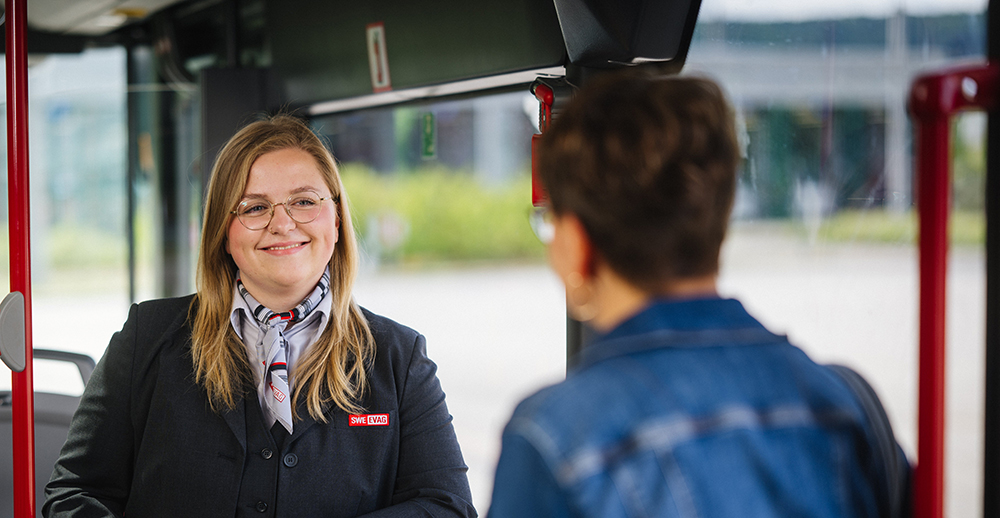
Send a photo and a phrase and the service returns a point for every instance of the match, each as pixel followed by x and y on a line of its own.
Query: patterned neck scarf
pixel 273 348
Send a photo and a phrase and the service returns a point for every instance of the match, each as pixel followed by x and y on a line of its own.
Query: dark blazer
pixel 144 442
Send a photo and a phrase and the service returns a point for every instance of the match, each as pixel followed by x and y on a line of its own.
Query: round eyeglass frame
pixel 273 206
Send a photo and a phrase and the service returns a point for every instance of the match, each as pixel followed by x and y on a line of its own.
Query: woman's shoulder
pixel 396 345
pixel 161 316
pixel 152 327
pixel 388 331
pixel 166 306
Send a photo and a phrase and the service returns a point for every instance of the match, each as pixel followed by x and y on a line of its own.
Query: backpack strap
pixel 886 452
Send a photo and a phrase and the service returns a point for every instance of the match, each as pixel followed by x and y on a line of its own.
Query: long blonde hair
pixel 333 369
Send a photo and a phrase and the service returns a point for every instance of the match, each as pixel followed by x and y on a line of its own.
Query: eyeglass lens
pixel 541 223
pixel 256 213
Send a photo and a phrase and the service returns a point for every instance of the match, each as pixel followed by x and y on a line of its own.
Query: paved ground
pixel 497 334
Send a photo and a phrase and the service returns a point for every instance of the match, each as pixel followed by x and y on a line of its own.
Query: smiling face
pixel 281 264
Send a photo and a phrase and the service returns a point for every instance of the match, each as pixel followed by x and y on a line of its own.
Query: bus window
pixel 440 196
pixel 77 163
pixel 823 239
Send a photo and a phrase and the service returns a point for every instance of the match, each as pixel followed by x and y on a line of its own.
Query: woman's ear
pixel 584 249
pixel 572 250
pixel 336 227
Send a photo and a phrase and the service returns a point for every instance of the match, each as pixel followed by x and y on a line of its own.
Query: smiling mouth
pixel 289 247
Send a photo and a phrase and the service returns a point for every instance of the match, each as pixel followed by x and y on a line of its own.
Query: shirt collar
pixel 240 314
pixel 692 314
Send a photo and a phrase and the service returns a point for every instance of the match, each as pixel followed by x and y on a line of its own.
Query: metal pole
pixel 933 185
pixel 934 98
pixel 23 414
pixel 133 100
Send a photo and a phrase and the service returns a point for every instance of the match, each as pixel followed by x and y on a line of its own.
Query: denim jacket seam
pixel 662 435
pixel 539 439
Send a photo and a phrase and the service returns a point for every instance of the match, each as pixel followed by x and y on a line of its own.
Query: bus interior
pixel 430 106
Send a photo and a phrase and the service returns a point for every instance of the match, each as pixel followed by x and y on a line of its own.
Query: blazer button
pixel 266 453
pixel 261 507
pixel 291 460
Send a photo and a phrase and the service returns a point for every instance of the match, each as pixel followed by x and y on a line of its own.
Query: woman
pixel 269 392
pixel 684 404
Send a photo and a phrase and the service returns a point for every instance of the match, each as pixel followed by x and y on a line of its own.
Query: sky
pixel 797 10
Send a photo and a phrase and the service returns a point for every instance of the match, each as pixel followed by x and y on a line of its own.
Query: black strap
pixel 886 451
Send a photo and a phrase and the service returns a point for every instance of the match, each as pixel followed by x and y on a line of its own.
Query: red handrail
pixel 934 98
pixel 546 98
pixel 22 390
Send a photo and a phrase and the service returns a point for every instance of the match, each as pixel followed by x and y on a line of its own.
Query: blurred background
pixel 822 243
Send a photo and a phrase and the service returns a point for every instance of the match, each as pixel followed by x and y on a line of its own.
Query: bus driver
pixel 269 392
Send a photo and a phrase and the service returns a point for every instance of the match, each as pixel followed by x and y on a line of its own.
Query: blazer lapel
pixel 300 427
pixel 236 418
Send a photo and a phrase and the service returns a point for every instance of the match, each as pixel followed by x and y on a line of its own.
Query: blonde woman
pixel 269 392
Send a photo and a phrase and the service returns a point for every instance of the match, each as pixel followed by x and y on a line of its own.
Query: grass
pixel 878 226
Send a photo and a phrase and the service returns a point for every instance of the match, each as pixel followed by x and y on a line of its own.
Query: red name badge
pixel 369 420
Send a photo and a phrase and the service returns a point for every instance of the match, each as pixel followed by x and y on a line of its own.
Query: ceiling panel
pixel 89 17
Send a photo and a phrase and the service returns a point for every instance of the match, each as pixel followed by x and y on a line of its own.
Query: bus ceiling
pixel 316 52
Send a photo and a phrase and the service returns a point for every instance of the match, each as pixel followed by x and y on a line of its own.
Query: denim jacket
pixel 690 408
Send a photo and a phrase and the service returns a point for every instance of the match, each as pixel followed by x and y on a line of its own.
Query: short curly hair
pixel 648 165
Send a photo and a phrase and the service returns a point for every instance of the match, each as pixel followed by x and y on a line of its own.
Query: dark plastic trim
pixel 991 433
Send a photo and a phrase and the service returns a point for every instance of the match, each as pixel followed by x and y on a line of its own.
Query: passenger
pixel 270 392
pixel 683 404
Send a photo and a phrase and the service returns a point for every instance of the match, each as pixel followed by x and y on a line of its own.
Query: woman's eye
pixel 303 202
pixel 254 208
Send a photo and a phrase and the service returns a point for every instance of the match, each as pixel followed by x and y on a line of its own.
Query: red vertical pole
pixel 932 200
pixel 934 99
pixel 20 252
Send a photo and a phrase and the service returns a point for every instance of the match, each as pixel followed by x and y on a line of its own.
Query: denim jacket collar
pixel 676 322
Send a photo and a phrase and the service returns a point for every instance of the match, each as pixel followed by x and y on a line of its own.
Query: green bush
pixel 444 215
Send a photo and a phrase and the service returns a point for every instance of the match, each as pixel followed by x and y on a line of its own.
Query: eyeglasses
pixel 302 207
pixel 542 223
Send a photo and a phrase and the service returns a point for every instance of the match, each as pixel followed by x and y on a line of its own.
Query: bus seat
pixel 53 413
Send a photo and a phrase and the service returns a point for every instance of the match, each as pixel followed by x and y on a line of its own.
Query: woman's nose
pixel 280 220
